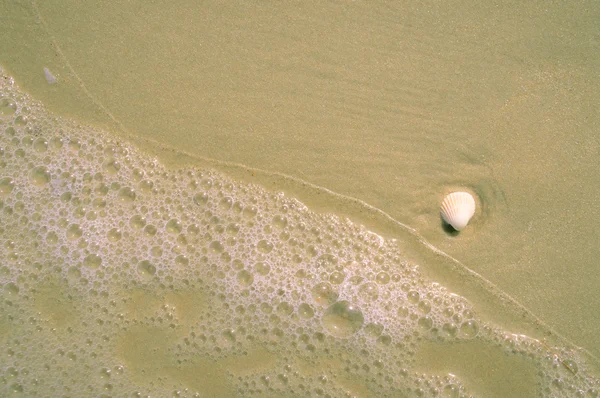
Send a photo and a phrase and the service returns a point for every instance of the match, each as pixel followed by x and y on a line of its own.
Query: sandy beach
pixel 372 113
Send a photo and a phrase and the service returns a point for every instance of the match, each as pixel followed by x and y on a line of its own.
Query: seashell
pixel 458 209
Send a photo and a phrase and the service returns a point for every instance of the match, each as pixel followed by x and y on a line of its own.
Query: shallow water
pixel 393 107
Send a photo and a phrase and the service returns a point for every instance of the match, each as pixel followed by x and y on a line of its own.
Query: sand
pixel 390 105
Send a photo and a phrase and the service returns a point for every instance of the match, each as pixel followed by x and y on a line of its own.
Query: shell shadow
pixel 447 228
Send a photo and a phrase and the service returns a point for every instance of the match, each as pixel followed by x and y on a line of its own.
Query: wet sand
pixel 393 106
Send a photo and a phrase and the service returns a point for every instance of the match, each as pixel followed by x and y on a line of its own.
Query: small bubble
pixel 111 167
pixel 382 278
pixel 114 235
pixel 323 294
pixel 99 203
pixel 451 391
pixel 101 189
pixel 384 340
pixel 56 143
pixel 156 251
pixel 40 145
pixel 21 120
pixel 11 132
pixel 74 144
pixel 225 203
pixel 264 246
pixel 74 232
pixel 469 329
pixel 279 222
pixel 6 186
pixel 373 330
pixel 571 365
pixel 11 289
pixel 342 319
pixel 74 273
pixel 262 268
pixel 249 212
pixel 369 291
pixel 27 140
pixel 413 297
pixel 336 277
pixel 201 198
pixel 93 261
pixel 39 176
pixel 229 335
pixel 283 378
pixel 16 388
pixel 233 229
pixel 7 106
pixel 450 329
pixel 425 322
pixel 91 215
pixel 328 261
pixel 137 174
pixel 137 221
pixel 52 238
pixel 181 260
pixel 284 308
pixel 216 247
pixel 424 307
pixel 150 230
pixel 126 194
pixel 245 278
pixel 146 269
pixel 105 373
pixel 403 312
pixel 173 227
pixel 306 311
pixel 145 185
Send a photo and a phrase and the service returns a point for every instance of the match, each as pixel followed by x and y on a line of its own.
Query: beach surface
pixel 370 112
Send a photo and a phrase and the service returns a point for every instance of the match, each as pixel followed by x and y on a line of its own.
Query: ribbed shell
pixel 457 209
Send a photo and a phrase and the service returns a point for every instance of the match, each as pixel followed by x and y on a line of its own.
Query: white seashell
pixel 457 209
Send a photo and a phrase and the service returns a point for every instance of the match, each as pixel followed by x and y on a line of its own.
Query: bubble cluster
pixel 123 277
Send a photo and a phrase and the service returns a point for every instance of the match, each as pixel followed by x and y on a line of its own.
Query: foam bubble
pixel 342 319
